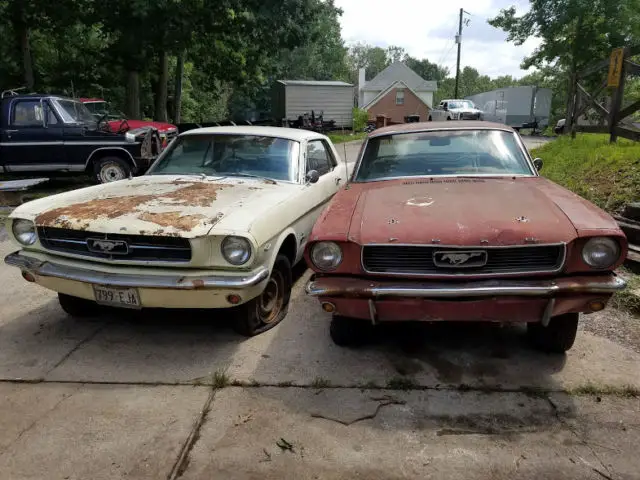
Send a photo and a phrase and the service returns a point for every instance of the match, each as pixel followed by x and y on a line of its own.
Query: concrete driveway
pixel 178 395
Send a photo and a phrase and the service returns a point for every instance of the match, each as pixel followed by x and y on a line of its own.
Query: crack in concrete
pixel 182 462
pixel 383 402
pixel 88 338
pixel 608 475
pixel 40 417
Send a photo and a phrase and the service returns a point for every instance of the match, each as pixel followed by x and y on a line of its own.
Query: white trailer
pixel 515 106
pixel 292 99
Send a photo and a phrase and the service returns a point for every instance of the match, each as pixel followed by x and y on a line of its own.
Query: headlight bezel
pixel 339 255
pixel 33 234
pixel 238 240
pixel 610 243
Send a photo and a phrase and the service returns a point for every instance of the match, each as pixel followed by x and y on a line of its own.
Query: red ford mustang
pixel 451 221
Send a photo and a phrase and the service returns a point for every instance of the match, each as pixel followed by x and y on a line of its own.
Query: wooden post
pixel 616 103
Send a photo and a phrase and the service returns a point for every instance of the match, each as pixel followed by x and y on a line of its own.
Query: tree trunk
pixel 133 95
pixel 177 106
pixel 22 34
pixel 161 88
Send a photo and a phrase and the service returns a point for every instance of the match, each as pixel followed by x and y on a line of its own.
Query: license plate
pixel 117 297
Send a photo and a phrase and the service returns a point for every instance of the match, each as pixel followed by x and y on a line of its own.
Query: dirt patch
pixel 172 219
pixel 616 325
pixel 192 194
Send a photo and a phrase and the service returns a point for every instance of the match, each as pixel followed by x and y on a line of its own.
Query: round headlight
pixel 601 252
pixel 236 250
pixel 24 231
pixel 326 255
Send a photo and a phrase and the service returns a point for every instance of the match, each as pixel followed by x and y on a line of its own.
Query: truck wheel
pixel 77 307
pixel 111 169
pixel 350 332
pixel 270 307
pixel 558 336
pixel 430 119
pixel 448 118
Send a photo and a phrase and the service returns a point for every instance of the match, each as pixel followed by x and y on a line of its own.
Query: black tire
pixel 350 332
pixel 558 336
pixel 270 307
pixel 448 119
pixel 632 211
pixel 77 307
pixel 430 119
pixel 111 169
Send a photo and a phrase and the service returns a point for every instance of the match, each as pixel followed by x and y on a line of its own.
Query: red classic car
pixel 451 221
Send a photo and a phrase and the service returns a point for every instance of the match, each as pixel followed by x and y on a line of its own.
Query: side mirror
pixel 537 162
pixel 312 176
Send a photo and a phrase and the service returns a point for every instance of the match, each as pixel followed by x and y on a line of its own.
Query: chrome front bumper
pixel 349 287
pixel 178 282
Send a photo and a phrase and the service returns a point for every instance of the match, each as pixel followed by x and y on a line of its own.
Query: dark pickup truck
pixel 51 134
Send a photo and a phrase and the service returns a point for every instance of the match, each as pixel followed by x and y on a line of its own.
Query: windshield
pixel 99 108
pixel 231 155
pixel 440 153
pixel 74 112
pixel 462 104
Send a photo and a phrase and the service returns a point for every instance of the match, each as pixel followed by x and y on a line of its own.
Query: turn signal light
pixel 234 299
pixel 328 307
pixel 28 277
pixel 596 306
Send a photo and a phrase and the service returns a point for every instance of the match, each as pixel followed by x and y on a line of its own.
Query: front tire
pixel 77 307
pixel 111 169
pixel 270 307
pixel 350 332
pixel 558 336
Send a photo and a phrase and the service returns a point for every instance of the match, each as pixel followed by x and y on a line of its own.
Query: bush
pixel 360 119
pixel 603 173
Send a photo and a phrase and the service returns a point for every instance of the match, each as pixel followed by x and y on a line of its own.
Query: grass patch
pixel 626 391
pixel 220 380
pixel 606 174
pixel 346 137
pixel 287 383
pixel 401 383
pixel 320 382
pixel 629 298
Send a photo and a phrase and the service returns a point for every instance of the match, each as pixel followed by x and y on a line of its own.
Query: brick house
pixel 396 92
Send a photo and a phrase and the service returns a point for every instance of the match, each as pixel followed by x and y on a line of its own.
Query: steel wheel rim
pixel 111 172
pixel 271 299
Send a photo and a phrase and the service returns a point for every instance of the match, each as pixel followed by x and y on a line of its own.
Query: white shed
pixel 293 98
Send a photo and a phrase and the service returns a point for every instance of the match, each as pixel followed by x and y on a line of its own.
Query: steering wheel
pixel 224 162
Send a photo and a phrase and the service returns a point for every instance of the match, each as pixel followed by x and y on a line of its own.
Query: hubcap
pixel 272 299
pixel 111 172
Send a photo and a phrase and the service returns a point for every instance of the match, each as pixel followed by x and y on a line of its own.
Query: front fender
pixel 277 243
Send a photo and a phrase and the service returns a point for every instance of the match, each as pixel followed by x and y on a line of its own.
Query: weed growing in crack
pixel 401 383
pixel 220 380
pixel 287 383
pixel 625 391
pixel 320 382
pixel 370 385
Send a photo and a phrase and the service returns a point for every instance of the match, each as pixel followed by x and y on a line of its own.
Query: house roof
pixel 317 83
pixel 384 93
pixel 398 71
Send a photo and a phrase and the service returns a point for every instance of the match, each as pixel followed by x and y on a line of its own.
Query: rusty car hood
pixel 184 206
pixel 459 211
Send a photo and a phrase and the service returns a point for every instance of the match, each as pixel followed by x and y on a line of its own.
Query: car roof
pixel 279 132
pixel 448 125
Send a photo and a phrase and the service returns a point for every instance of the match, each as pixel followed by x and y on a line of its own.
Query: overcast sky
pixel 426 29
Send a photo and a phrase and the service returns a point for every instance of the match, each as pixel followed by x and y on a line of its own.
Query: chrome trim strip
pixel 174 282
pixel 491 288
pixel 44 167
pixel 31 144
pixel 458 247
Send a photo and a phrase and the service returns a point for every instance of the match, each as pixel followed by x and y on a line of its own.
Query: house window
pixel 399 97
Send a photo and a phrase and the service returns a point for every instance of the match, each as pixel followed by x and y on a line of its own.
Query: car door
pixel 319 156
pixel 33 139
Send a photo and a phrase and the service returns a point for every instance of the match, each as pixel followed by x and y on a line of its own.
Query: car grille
pixel 419 260
pixel 470 116
pixel 138 247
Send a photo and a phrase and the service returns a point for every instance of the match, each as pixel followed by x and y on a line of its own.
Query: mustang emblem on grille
pixel 116 247
pixel 460 259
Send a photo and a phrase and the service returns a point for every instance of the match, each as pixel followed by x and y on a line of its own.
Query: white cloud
pixel 426 29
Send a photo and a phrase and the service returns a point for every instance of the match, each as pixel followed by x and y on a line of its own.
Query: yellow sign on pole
pixel 615 67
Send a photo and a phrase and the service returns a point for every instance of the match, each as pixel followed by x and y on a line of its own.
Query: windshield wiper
pixel 238 174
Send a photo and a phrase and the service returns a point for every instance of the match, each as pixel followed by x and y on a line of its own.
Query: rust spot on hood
pixel 199 194
pixel 172 219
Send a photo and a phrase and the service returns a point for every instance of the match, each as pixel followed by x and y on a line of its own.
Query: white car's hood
pixel 184 206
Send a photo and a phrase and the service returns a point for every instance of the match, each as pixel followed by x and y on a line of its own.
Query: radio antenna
pixel 346 165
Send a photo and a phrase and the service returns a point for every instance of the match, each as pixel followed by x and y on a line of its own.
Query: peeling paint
pixel 172 219
pixel 420 202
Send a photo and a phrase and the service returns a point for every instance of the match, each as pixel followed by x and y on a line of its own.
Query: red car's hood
pixel 459 211
pixel 133 124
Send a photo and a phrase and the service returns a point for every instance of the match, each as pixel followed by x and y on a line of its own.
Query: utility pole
pixel 459 42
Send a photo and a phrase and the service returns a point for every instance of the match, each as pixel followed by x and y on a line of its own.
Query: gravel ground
pixel 616 325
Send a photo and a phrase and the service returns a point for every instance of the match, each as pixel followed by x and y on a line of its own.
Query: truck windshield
pixel 74 112
pixel 231 155
pixel 443 153
pixel 461 104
